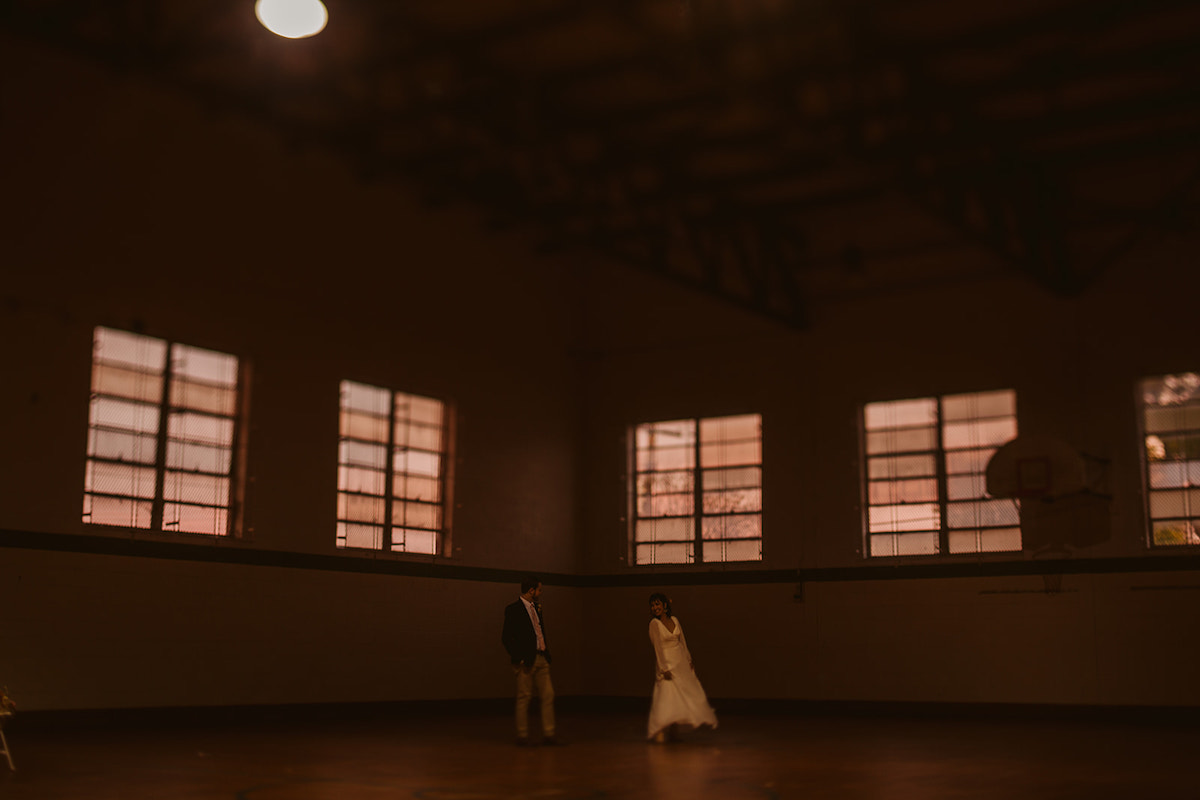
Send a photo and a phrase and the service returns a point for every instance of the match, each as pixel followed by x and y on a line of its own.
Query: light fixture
pixel 293 19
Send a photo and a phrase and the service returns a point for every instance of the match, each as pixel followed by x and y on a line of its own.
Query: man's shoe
pixel 522 741
pixel 552 741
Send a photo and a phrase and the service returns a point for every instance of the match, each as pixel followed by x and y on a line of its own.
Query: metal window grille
pixel 391 470
pixel 697 492
pixel 162 434
pixel 1171 438
pixel 926 491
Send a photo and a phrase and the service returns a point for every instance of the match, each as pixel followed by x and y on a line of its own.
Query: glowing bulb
pixel 293 19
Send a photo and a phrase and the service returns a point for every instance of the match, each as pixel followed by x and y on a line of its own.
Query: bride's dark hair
pixel 666 601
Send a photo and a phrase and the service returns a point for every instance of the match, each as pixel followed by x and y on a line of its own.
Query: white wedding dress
pixel 680 700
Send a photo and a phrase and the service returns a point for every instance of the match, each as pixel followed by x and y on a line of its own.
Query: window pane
pixel 123 415
pixel 203 397
pixel 126 480
pixel 983 513
pixel 1176 532
pixel 416 515
pixel 118 511
pixel 183 456
pixel 116 380
pixel 726 441
pixel 194 519
pixel 191 487
pixel 978 433
pixel 723 429
pixel 420 437
pixel 188 427
pixel 923 490
pixel 417 462
pixel 419 409
pixel 204 366
pixel 901 467
pixel 665 530
pixel 990 540
pixel 360 454
pixel 356 479
pixel 904 544
pixel 742 526
pixel 1170 390
pixel 118 446
pixel 414 487
pixel 360 397
pixel 900 414
pixel 1171 474
pixel 736 478
pixel 677 482
pixel 912 517
pixel 360 425
pixel 1183 503
pixel 901 440
pixel 666 458
pixel 360 508
pixel 959 462
pixel 680 433
pixel 664 553
pixel 733 501
pixel 414 541
pixel 1178 447
pixel 129 349
pixel 1165 419
pixel 666 505
pixel 721 454
pixel 734 550
pixel 966 487
pixel 352 535
pixel 979 405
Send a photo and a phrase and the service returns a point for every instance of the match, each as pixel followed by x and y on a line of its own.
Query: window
pixel 391 470
pixel 1171 427
pixel 162 434
pixel 926 488
pixel 698 491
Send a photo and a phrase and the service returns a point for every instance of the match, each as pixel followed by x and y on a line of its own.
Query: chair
pixel 4 715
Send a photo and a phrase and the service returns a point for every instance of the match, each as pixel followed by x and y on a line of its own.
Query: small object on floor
pixel 4 751
pixel 552 741
pixel 522 741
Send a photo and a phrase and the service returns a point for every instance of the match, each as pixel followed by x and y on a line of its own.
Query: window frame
pixel 695 545
pixel 391 473
pixel 941 479
pixel 1190 489
pixel 166 407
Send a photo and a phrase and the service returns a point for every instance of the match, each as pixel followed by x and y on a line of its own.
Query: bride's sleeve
pixel 656 640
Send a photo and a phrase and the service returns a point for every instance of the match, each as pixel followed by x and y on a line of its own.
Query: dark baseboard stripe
pixel 235 552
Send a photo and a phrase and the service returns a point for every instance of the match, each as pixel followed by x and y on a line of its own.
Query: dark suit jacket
pixel 519 637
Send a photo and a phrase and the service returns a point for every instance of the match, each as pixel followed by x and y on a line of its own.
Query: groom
pixel 524 638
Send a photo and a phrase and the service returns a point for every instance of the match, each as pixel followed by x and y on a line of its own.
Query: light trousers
pixel 530 679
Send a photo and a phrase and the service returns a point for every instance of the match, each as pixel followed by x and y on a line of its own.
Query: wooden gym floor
pixel 452 754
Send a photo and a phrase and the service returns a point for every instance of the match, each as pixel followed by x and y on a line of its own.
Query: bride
pixel 678 701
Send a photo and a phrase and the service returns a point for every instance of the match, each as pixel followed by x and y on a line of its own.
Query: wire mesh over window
pixel 1171 431
pixel 161 435
pixel 697 491
pixel 926 459
pixel 391 477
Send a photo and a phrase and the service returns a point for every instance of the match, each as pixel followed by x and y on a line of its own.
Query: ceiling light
pixel 293 19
